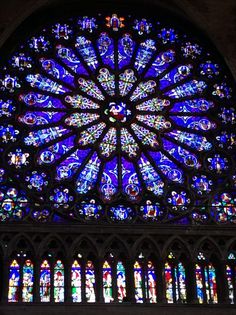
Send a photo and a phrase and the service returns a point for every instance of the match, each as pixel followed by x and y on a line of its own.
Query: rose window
pixel 116 118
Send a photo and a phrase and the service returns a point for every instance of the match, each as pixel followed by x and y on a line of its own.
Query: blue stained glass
pixel 8 133
pixel 33 119
pixel 61 31
pixel 88 176
pixel 178 200
pixel 39 44
pixel 87 23
pixel 202 184
pixel 142 26
pixel 68 57
pixel 9 83
pixel 167 167
pixel 45 282
pixel 86 50
pixel 191 50
pixel 151 211
pixel 118 112
pixel 89 210
pixel 130 182
pixel 180 154
pixel 209 69
pixel 13 204
pixel 176 75
pixel 200 123
pixel 192 140
pixel 144 54
pixel 187 89
pixel 34 99
pixel 109 180
pixel 7 108
pixel 192 106
pixel 161 63
pixel 27 281
pixel 126 47
pixel 226 140
pixel 218 163
pixel 222 91
pixel 151 283
pixel 45 84
pixel 121 213
pixel 61 197
pixel 69 166
pixel 56 70
pixel 14 282
pixel 227 115
pixel 37 180
pixel 150 176
pixel 54 152
pixel 21 61
pixel 42 136
pixel 106 49
pixel 168 35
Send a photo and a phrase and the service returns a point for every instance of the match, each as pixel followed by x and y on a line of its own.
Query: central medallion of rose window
pixel 118 112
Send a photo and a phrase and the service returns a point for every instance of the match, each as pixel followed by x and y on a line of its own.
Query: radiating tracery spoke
pixel 119 115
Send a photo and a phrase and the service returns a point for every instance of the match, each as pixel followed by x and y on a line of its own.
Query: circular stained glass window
pixel 111 109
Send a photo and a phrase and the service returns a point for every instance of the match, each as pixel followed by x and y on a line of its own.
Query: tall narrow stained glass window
pixel 59 282
pixel 100 107
pixel 206 281
pixel 14 282
pixel 151 283
pixel 138 282
pixel 28 281
pixel 45 281
pixel 107 282
pixel 175 279
pixel 90 282
pixel 231 277
pixel 76 281
pixel 121 281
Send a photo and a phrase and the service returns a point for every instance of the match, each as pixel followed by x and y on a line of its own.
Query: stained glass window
pixel 28 281
pixel 206 280
pixel 121 281
pixel 231 277
pixel 14 282
pixel 76 281
pixel 58 281
pixel 151 283
pixel 107 282
pixel 90 282
pixel 175 279
pixel 45 281
pixel 138 282
pixel 93 108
